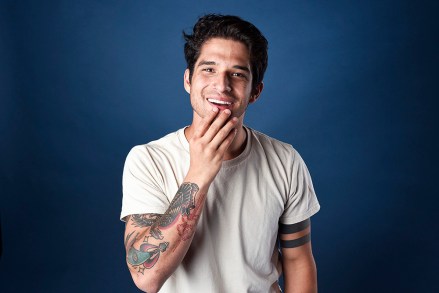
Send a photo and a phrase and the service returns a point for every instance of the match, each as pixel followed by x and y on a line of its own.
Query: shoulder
pixel 271 145
pixel 169 145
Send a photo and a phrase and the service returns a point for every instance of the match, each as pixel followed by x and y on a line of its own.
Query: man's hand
pixel 209 144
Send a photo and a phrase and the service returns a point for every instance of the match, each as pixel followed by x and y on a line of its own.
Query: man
pixel 205 206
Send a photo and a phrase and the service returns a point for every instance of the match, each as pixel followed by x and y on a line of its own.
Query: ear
pixel 256 93
pixel 187 81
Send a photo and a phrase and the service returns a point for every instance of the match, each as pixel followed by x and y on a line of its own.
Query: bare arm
pixel 156 244
pixel 300 273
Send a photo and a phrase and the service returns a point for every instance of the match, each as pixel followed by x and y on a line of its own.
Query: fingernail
pixel 227 111
pixel 214 109
pixel 234 119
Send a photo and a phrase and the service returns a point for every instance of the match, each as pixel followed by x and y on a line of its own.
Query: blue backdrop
pixel 351 84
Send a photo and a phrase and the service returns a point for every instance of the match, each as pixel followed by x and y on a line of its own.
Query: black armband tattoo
pixel 296 242
pixel 294 228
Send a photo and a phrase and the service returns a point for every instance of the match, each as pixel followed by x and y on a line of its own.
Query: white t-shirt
pixel 234 247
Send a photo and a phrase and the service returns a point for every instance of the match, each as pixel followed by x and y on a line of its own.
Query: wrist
pixel 202 183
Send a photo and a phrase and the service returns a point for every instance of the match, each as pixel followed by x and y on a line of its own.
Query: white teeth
pixel 219 102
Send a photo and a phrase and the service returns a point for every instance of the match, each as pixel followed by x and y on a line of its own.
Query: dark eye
pixel 238 74
pixel 208 69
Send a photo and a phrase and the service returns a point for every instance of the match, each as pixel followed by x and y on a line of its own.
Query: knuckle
pixel 214 127
pixel 195 139
pixel 223 132
pixel 210 148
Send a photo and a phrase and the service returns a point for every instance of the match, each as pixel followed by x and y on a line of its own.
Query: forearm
pixel 156 244
pixel 300 276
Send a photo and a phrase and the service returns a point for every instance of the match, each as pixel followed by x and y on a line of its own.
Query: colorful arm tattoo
pixel 182 205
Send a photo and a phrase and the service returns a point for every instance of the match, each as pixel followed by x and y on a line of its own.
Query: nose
pixel 222 83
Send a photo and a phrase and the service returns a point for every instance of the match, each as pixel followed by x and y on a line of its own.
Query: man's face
pixel 222 78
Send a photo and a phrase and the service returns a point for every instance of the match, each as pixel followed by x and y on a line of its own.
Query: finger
pixel 217 125
pixel 224 132
pixel 206 122
pixel 227 142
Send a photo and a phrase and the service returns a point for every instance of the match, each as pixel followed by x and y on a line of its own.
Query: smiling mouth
pixel 218 102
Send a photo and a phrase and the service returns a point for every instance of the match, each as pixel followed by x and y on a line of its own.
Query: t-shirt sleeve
pixel 142 185
pixel 302 201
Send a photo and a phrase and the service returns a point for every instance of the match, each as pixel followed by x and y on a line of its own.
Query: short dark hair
pixel 228 27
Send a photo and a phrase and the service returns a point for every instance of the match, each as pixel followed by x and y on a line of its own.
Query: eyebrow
pixel 243 68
